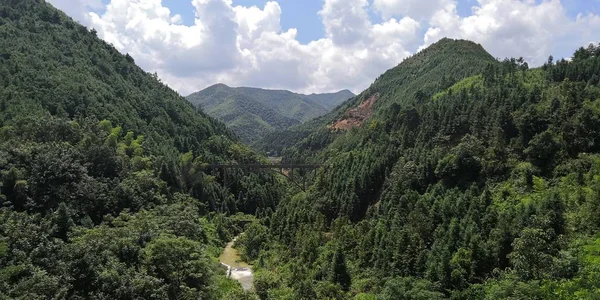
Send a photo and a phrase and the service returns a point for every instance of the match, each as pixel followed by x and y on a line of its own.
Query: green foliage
pixel 532 253
pixel 253 240
pixel 483 185
pixel 409 289
pixel 104 191
pixel 511 288
pixel 227 288
pixel 181 264
pixel 466 84
pixel 156 254
pixel 339 273
pixel 252 113
pixel 265 282
pixel 474 179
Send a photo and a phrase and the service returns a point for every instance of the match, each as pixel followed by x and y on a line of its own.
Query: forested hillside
pixel 454 176
pixel 102 190
pixel 417 78
pixel 252 113
pixel 473 179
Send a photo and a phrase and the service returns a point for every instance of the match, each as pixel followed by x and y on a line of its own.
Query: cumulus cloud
pixel 246 45
pixel 514 28
pixel 346 21
pixel 241 45
pixel 79 9
pixel 419 9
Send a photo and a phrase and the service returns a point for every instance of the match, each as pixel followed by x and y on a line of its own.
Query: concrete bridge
pixel 285 169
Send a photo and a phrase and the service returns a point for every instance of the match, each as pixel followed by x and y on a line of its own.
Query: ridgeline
pixel 253 113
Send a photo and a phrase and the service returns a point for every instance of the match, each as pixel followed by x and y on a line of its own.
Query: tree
pixel 182 264
pixel 542 149
pixel 339 273
pixel 265 281
pixel 408 288
pixel 62 221
pixel 253 240
pixel 531 256
pixel 461 265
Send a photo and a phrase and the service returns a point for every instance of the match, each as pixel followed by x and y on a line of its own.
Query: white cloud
pixel 77 9
pixel 240 45
pixel 514 28
pixel 418 9
pixel 253 22
pixel 346 21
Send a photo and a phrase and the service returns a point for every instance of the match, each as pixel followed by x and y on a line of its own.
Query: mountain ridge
pixel 472 179
pixel 415 78
pixel 102 186
pixel 253 112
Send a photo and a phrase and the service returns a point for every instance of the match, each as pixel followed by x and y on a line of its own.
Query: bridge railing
pixel 263 166
pixel 280 167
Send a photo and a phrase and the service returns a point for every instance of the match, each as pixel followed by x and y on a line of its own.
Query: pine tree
pixel 339 273
pixel 62 221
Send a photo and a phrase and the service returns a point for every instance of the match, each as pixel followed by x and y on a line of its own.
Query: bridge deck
pixel 278 168
pixel 264 166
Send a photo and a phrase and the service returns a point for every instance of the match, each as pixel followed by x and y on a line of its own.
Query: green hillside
pixel 251 112
pixel 453 176
pixel 417 78
pixel 481 186
pixel 329 100
pixel 102 193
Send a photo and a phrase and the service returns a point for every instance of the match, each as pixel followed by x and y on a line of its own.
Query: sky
pixel 315 46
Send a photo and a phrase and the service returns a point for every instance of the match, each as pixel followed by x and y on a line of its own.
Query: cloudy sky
pixel 323 45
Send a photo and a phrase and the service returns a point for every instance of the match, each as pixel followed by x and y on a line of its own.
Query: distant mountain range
pixel 252 112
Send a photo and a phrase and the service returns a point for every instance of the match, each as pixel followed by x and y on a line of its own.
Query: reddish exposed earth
pixel 356 116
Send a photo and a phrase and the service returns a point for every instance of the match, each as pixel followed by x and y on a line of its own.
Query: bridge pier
pixel 278 168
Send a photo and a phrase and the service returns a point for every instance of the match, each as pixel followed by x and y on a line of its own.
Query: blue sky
pixel 300 14
pixel 346 46
pixel 303 14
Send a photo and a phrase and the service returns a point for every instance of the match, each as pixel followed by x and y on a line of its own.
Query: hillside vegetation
pixel 417 78
pixel 458 177
pixel 481 186
pixel 102 190
pixel 252 113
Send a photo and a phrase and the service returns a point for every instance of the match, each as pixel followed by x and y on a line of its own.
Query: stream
pixel 236 269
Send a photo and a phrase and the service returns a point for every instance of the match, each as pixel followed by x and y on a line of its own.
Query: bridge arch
pixel 275 168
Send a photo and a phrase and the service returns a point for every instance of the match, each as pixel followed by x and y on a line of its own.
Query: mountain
pixel 416 78
pixel 329 100
pixel 454 176
pixel 104 191
pixel 253 112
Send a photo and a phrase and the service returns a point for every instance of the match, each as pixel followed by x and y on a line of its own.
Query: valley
pixel 454 175
pixel 252 113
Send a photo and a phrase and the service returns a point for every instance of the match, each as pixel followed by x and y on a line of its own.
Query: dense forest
pixel 464 177
pixel 435 68
pixel 104 191
pixel 252 113
pixel 474 179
